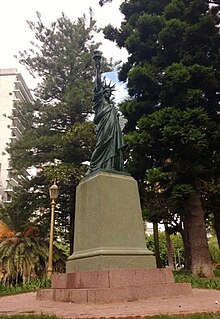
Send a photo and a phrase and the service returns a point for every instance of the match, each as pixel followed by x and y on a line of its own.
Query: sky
pixel 15 34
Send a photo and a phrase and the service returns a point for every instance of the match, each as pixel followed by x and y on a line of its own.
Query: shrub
pixel 197 282
pixel 22 288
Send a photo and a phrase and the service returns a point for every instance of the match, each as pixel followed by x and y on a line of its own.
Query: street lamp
pixel 53 191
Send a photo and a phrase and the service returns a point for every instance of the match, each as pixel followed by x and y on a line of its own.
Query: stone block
pixel 109 230
pixel 80 280
pixel 112 278
pixel 139 277
pixel 116 294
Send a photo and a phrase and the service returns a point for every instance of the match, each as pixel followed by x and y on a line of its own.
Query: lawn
pixel 194 316
pixel 198 282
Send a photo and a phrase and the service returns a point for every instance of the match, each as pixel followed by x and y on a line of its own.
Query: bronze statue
pixel 109 140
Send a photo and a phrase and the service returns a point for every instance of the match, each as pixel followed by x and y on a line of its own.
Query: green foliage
pixel 70 40
pixel 191 316
pixel 22 255
pixel 59 138
pixel 142 80
pixel 25 255
pixel 214 250
pixel 166 77
pixel 29 317
pixel 181 192
pixel 32 285
pixel 177 245
pixel 198 282
pixel 172 129
pixel 217 272
pixel 17 213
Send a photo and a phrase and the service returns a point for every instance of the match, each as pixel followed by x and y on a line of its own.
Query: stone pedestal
pixel 109 230
pixel 113 286
pixel 110 262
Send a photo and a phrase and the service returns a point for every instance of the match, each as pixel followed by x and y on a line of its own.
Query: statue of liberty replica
pixel 110 261
pixel 109 140
pixel 109 231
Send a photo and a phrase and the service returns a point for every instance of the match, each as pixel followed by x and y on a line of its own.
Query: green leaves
pixel 59 138
pixel 173 110
pixel 171 38
pixel 174 10
pixel 26 255
pixel 175 75
pixel 143 81
pixel 177 245
pixel 57 54
pixel 182 192
pixel 186 86
pixel 21 255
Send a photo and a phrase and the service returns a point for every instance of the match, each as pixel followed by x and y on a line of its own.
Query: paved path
pixel 202 300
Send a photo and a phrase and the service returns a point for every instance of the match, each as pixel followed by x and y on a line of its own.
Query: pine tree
pixel 173 111
pixel 59 137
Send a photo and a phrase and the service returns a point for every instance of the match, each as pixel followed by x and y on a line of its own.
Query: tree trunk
pixel 186 243
pixel 169 247
pixel 201 264
pixel 156 244
pixel 217 224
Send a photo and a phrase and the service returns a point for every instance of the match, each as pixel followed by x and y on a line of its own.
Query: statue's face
pixel 107 93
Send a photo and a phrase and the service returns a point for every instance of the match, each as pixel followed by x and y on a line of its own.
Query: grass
pixel 193 316
pixel 217 272
pixel 28 287
pixel 28 317
pixel 198 282
pixel 179 276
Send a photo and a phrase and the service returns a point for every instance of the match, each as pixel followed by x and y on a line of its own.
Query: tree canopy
pixel 58 137
pixel 173 130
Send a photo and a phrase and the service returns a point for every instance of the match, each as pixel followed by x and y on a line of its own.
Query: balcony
pixel 9 189
pixel 15 131
pixel 12 182
pixel 19 95
pixel 13 139
pixel 17 123
pixel 22 87
pixel 15 111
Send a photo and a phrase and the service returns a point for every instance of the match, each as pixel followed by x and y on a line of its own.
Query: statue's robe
pixel 109 139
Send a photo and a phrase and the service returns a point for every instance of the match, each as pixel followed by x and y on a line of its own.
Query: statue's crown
pixel 108 86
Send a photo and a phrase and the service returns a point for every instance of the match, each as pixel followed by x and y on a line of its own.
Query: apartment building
pixel 13 91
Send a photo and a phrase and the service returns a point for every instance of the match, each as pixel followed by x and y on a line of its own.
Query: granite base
pixel 113 285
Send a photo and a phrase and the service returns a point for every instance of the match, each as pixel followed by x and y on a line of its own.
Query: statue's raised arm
pixel 109 140
pixel 98 80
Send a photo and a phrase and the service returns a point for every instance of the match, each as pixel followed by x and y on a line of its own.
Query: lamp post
pixel 53 191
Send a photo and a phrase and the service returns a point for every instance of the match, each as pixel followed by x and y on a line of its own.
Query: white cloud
pixel 121 92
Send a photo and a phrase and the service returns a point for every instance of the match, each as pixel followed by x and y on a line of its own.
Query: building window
pixel 8 198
